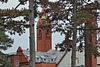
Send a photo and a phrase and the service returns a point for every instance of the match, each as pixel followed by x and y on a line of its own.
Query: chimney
pixel 56 47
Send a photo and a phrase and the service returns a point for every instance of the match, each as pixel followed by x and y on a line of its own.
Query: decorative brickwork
pixel 44 36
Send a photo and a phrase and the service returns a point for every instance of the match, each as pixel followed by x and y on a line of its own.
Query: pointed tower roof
pixel 43 16
pixel 19 49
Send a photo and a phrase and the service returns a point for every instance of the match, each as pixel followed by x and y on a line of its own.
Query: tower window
pixel 40 34
pixel 47 31
pixel 47 34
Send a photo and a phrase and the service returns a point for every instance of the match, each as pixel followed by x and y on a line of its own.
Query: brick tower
pixel 90 40
pixel 43 35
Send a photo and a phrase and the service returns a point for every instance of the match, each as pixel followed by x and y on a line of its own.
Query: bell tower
pixel 43 35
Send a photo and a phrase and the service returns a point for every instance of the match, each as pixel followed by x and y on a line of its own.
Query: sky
pixel 23 40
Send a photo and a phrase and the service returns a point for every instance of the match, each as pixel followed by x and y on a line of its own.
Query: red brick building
pixel 21 57
pixel 44 36
pixel 43 59
pixel 45 56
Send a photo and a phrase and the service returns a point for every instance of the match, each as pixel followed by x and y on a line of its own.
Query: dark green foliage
pixel 12 26
pixel 62 11
pixel 7 17
pixel 59 11
pixel 4 1
pixel 45 26
pixel 84 17
pixel 3 60
pixel 5 43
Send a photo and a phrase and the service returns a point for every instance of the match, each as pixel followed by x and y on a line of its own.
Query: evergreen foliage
pixel 5 43
pixel 3 60
pixel 60 12
pixel 4 1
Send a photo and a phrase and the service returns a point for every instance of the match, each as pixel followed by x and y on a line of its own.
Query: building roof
pixel 54 56
pixel 13 53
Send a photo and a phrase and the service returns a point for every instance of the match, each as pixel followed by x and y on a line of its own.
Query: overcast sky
pixel 23 40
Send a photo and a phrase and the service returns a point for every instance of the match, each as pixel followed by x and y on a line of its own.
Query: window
pixel 17 63
pixel 47 34
pixel 40 34
pixel 44 59
pixel 9 59
pixel 51 59
pixel 37 58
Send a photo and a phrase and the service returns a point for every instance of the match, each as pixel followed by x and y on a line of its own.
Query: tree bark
pixel 32 34
pixel 73 57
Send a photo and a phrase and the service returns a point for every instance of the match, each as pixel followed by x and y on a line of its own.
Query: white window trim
pixel 17 63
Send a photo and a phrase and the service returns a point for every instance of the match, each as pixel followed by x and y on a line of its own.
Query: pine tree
pixel 58 12
pixel 62 11
pixel 5 43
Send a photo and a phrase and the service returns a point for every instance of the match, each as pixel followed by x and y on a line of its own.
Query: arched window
pixel 40 34
pixel 47 34
pixel 47 31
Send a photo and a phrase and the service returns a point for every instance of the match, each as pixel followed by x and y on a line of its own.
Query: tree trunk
pixel 32 34
pixel 73 57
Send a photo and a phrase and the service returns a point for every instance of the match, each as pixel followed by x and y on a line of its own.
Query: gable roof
pixel 50 55
pixel 56 55
pixel 19 49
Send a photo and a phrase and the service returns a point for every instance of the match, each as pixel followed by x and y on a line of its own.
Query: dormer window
pixel 44 59
pixel 37 58
pixel 51 59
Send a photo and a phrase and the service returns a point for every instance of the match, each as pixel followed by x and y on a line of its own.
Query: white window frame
pixel 17 63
